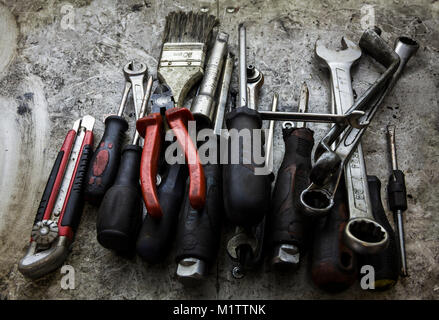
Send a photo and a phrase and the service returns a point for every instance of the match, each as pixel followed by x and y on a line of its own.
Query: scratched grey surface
pixel 50 76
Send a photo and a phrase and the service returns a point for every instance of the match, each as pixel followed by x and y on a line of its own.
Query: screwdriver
pixel 105 160
pixel 397 197
pixel 198 232
pixel 287 227
pixel 385 263
pixel 120 213
pixel 246 194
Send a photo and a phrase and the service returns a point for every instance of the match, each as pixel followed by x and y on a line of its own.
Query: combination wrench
pixel 328 168
pixel 136 77
pixel 339 63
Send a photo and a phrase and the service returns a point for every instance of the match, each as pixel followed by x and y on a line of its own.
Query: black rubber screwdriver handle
pixel 396 191
pixel 386 263
pixel 333 266
pixel 198 232
pixel 105 160
pixel 157 235
pixel 246 194
pixel 120 213
pixel 286 223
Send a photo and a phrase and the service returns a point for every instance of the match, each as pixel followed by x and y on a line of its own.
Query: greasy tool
pixel 397 197
pixel 339 63
pixel 150 128
pixel 333 264
pixel 352 119
pixel 60 209
pixel 385 263
pixel 223 94
pixel 363 234
pixel 203 105
pixel 105 159
pixel 181 63
pixel 287 227
pixel 198 232
pixel 180 67
pixel 246 194
pixel 163 204
pixel 136 77
pixel 120 212
pixel 246 246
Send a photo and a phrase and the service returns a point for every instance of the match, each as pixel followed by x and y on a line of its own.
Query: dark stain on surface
pixel 23 103
pixel 136 7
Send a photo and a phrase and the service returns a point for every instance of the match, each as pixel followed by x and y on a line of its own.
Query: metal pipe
pixel 203 106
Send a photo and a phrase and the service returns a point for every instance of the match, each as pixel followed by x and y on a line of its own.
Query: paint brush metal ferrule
pixel 181 67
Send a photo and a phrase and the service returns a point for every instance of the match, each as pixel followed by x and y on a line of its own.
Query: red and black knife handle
pixel 55 178
pixel 73 204
pixel 105 160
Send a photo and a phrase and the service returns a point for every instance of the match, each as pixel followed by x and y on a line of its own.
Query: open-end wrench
pixel 339 64
pixel 328 168
pixel 352 119
pixel 136 76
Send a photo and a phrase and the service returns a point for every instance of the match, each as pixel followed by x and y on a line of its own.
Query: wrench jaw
pixel 365 236
pixel 36 264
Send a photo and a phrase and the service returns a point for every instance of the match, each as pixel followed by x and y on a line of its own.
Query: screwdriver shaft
pixel 142 112
pixel 242 67
pixel 123 102
pixel 397 198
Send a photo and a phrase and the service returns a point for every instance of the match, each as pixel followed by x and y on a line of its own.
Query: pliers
pixel 151 129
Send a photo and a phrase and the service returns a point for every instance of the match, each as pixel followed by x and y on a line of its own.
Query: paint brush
pixel 183 53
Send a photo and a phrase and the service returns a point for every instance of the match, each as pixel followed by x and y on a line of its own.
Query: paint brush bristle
pixel 188 27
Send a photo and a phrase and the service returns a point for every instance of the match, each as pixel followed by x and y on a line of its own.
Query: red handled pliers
pixel 150 128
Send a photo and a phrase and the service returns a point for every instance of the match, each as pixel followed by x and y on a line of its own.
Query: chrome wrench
pixel 339 64
pixel 136 77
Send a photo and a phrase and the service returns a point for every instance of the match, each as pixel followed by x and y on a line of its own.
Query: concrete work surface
pixel 60 60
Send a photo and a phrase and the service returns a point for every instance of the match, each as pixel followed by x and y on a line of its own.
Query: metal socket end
pixel 203 106
pixel 286 257
pixel 191 271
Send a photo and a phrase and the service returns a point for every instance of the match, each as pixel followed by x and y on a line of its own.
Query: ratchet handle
pixel 286 222
pixel 157 235
pixel 333 266
pixel 105 160
pixel 396 191
pixel 72 208
pixel 178 119
pixel 385 263
pixel 150 128
pixel 120 213
pixel 198 232
pixel 246 195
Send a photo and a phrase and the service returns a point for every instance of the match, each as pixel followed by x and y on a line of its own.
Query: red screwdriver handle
pixel 150 128
pixel 178 120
